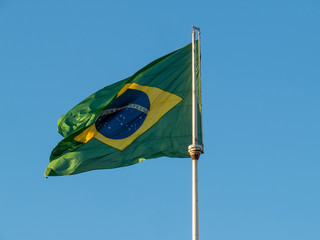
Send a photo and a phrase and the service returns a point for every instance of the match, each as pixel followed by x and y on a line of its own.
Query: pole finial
pixel 195 28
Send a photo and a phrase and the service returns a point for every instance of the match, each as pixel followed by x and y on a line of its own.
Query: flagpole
pixel 195 149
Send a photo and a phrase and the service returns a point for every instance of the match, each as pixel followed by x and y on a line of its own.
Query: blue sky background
pixel 259 177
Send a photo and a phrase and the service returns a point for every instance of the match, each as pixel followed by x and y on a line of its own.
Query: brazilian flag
pixel 145 116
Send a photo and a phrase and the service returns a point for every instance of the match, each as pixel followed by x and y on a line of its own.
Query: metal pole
pixel 200 90
pixel 194 92
pixel 194 149
pixel 195 201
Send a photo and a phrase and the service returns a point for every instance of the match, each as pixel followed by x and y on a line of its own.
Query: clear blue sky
pixel 259 177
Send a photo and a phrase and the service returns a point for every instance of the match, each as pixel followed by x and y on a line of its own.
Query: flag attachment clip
pixel 195 151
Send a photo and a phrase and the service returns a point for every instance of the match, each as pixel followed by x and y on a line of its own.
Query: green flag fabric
pixel 145 116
